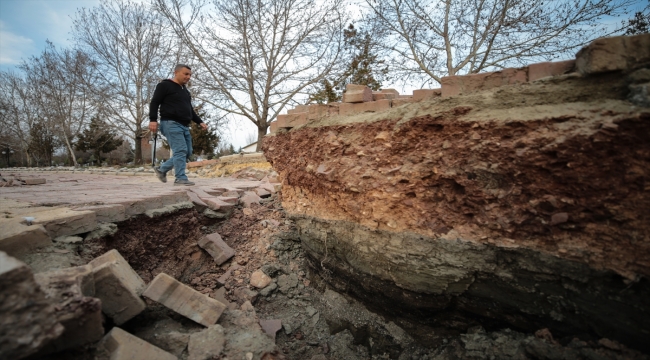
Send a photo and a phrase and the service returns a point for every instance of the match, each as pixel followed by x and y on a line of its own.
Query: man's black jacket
pixel 175 103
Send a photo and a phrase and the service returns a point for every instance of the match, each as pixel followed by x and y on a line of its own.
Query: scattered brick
pixel 184 300
pixel 118 286
pixel 217 248
pixel 120 345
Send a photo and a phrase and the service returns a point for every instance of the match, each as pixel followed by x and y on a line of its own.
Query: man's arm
pixel 198 120
pixel 156 100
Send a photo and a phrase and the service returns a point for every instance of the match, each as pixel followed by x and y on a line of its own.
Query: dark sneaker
pixel 183 182
pixel 160 175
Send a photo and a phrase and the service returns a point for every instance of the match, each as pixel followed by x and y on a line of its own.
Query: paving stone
pixel 292 120
pixel 27 320
pixel 467 84
pixel 271 327
pixel 546 69
pixel 32 181
pixel 260 280
pixel 347 109
pixel 206 344
pixel 17 239
pixel 263 193
pixel 120 345
pixel 422 94
pixel 118 286
pixel 106 213
pixel 184 300
pixel 249 198
pixel 64 221
pixel 216 203
pixel 356 94
pixel 613 53
pixel 217 248
pixel 71 290
pixel 198 203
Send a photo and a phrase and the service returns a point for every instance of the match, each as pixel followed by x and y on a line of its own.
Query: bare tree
pixel 60 80
pixel 19 112
pixel 257 55
pixel 134 51
pixel 432 39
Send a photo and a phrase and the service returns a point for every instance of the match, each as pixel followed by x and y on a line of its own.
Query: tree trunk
pixel 137 160
pixel 70 152
pixel 261 132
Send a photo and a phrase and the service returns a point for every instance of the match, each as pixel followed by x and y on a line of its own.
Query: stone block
pixel 184 300
pixel 120 345
pixel 198 203
pixel 347 109
pixel 118 286
pixel 217 248
pixel 614 53
pixel 401 101
pixel 391 91
pixel 318 111
pixel 467 84
pixel 298 109
pixel 27 320
pixel 106 213
pixel 33 181
pixel 263 193
pixel 274 127
pixel 357 94
pixel 206 344
pixel 17 239
pixel 378 95
pixel 422 94
pixel 80 314
pixel 64 221
pixel 216 203
pixel 292 120
pixel 546 69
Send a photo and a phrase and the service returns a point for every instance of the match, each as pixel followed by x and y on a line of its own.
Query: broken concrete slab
pixel 120 345
pixel 217 248
pixel 168 209
pixel 64 221
pixel 118 286
pixel 206 344
pixel 27 320
pixel 17 239
pixel 106 213
pixel 102 230
pixel 71 291
pixel 184 300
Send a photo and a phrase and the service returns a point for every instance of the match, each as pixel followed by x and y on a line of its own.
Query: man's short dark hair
pixel 181 66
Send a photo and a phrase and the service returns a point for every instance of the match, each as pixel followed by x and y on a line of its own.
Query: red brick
pixel 217 248
pixel 422 94
pixel 357 94
pixel 373 106
pixel 121 345
pixel 292 120
pixel 118 286
pixel 184 300
pixel 467 84
pixel 614 53
pixel 545 69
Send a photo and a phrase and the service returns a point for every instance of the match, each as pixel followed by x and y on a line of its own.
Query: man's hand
pixel 153 126
pixel 204 126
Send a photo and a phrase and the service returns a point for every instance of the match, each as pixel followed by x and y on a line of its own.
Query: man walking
pixel 176 112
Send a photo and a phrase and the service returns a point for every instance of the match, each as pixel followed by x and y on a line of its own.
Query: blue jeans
pixel 180 141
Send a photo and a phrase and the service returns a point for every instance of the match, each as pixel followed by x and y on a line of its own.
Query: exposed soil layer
pixel 528 205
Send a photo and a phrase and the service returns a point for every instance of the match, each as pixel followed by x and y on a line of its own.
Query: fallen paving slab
pixel 27 320
pixel 17 239
pixel 120 345
pixel 184 300
pixel 64 221
pixel 217 248
pixel 71 291
pixel 118 286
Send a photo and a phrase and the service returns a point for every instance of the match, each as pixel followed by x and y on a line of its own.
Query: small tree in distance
pixel 98 139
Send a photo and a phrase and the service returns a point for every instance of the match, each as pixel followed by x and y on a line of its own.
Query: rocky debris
pixel 206 344
pixel 271 327
pixel 184 300
pixel 249 198
pixel 120 345
pixel 217 248
pixel 27 320
pixel 71 290
pixel 17 239
pixel 102 230
pixel 118 287
pixel 169 209
pixel 260 280
pixel 244 335
pixel 67 239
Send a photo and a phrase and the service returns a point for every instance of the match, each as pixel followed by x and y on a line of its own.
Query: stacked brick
pixel 603 55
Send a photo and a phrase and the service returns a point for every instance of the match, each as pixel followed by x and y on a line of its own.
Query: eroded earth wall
pixel 525 206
